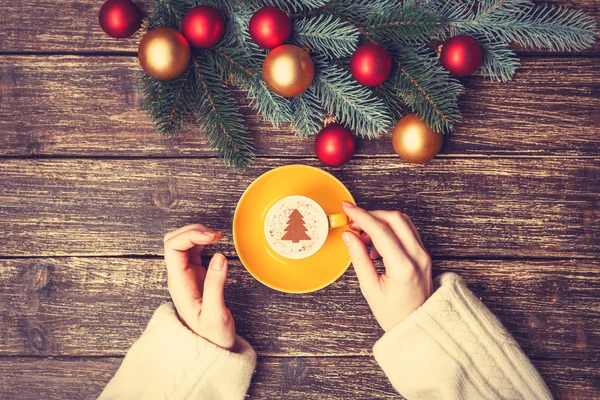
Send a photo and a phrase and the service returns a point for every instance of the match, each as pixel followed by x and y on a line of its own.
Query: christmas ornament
pixel 288 70
pixel 203 26
pixel 164 53
pixel 269 27
pixel 414 141
pixel 370 65
pixel 461 55
pixel 334 145
pixel 119 18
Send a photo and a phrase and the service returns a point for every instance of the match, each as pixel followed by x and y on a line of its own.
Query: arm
pixel 189 349
pixel 440 340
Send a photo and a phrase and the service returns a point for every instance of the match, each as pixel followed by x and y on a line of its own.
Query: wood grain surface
pixel 301 378
pixel 88 189
pixel 72 26
pixel 99 306
pixel 481 207
pixel 89 106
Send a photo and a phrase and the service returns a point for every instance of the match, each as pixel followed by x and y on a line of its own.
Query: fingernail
pixel 346 238
pixel 218 262
pixel 348 204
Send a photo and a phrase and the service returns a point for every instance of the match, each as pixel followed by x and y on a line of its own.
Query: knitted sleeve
pixel 453 347
pixel 171 362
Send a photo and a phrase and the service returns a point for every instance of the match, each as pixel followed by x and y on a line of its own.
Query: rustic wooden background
pixel 88 190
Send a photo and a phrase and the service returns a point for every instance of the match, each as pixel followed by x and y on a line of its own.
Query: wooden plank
pixel 72 26
pixel 464 207
pixel 99 306
pixel 89 106
pixel 275 378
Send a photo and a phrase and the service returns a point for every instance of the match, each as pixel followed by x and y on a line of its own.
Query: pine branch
pixel 519 21
pixel 218 116
pixel 352 104
pixel 167 14
pixel 306 113
pixel 427 88
pixel 169 104
pixel 409 24
pixel 236 66
pixel 326 34
pixel 499 62
pixel 388 93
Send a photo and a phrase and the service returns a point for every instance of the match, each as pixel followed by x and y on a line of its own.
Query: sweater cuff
pixel 454 347
pixel 170 361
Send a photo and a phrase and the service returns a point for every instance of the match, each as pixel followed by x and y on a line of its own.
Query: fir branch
pixel 352 104
pixel 234 65
pixel 326 34
pixel 306 113
pixel 239 27
pixel 218 116
pixel 499 62
pixel 409 24
pixel 169 104
pixel 388 93
pixel 427 88
pixel 519 21
pixel 167 13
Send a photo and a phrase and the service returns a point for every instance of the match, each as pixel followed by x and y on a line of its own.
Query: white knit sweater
pixel 452 347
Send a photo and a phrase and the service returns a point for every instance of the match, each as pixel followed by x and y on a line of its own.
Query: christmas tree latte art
pixel 361 64
pixel 296 227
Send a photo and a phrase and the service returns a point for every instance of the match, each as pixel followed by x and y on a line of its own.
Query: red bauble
pixel 335 145
pixel 370 65
pixel 461 55
pixel 119 18
pixel 269 27
pixel 203 26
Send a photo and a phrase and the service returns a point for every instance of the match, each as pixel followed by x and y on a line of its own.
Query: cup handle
pixel 337 220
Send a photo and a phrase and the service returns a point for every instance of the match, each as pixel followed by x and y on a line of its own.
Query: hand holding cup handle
pixel 406 283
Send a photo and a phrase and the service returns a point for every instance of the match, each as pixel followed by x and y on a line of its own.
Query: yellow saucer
pixel 277 272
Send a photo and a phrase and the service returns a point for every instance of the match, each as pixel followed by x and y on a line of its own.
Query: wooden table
pixel 88 191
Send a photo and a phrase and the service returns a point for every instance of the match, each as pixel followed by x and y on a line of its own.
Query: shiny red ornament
pixel 203 26
pixel 370 64
pixel 269 27
pixel 461 55
pixel 119 18
pixel 335 145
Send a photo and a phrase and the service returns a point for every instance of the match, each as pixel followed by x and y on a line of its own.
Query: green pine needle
pixel 351 103
pixel 326 34
pixel 219 117
pixel 499 62
pixel 408 24
pixel 307 113
pixel 427 88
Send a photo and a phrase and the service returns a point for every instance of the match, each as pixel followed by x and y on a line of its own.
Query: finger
pixel 176 232
pixel 363 266
pixel 381 234
pixel 195 254
pixel 399 225
pixel 366 239
pixel 214 284
pixel 176 248
pixel 415 230
pixel 374 253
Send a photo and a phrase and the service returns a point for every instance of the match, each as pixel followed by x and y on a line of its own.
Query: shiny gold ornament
pixel 164 53
pixel 414 141
pixel 288 70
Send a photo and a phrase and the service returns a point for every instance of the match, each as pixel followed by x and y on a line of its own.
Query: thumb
pixel 214 283
pixel 363 265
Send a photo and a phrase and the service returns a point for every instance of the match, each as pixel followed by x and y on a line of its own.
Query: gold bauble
pixel 414 141
pixel 288 70
pixel 164 53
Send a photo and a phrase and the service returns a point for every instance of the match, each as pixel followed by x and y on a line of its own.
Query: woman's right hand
pixel 406 283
